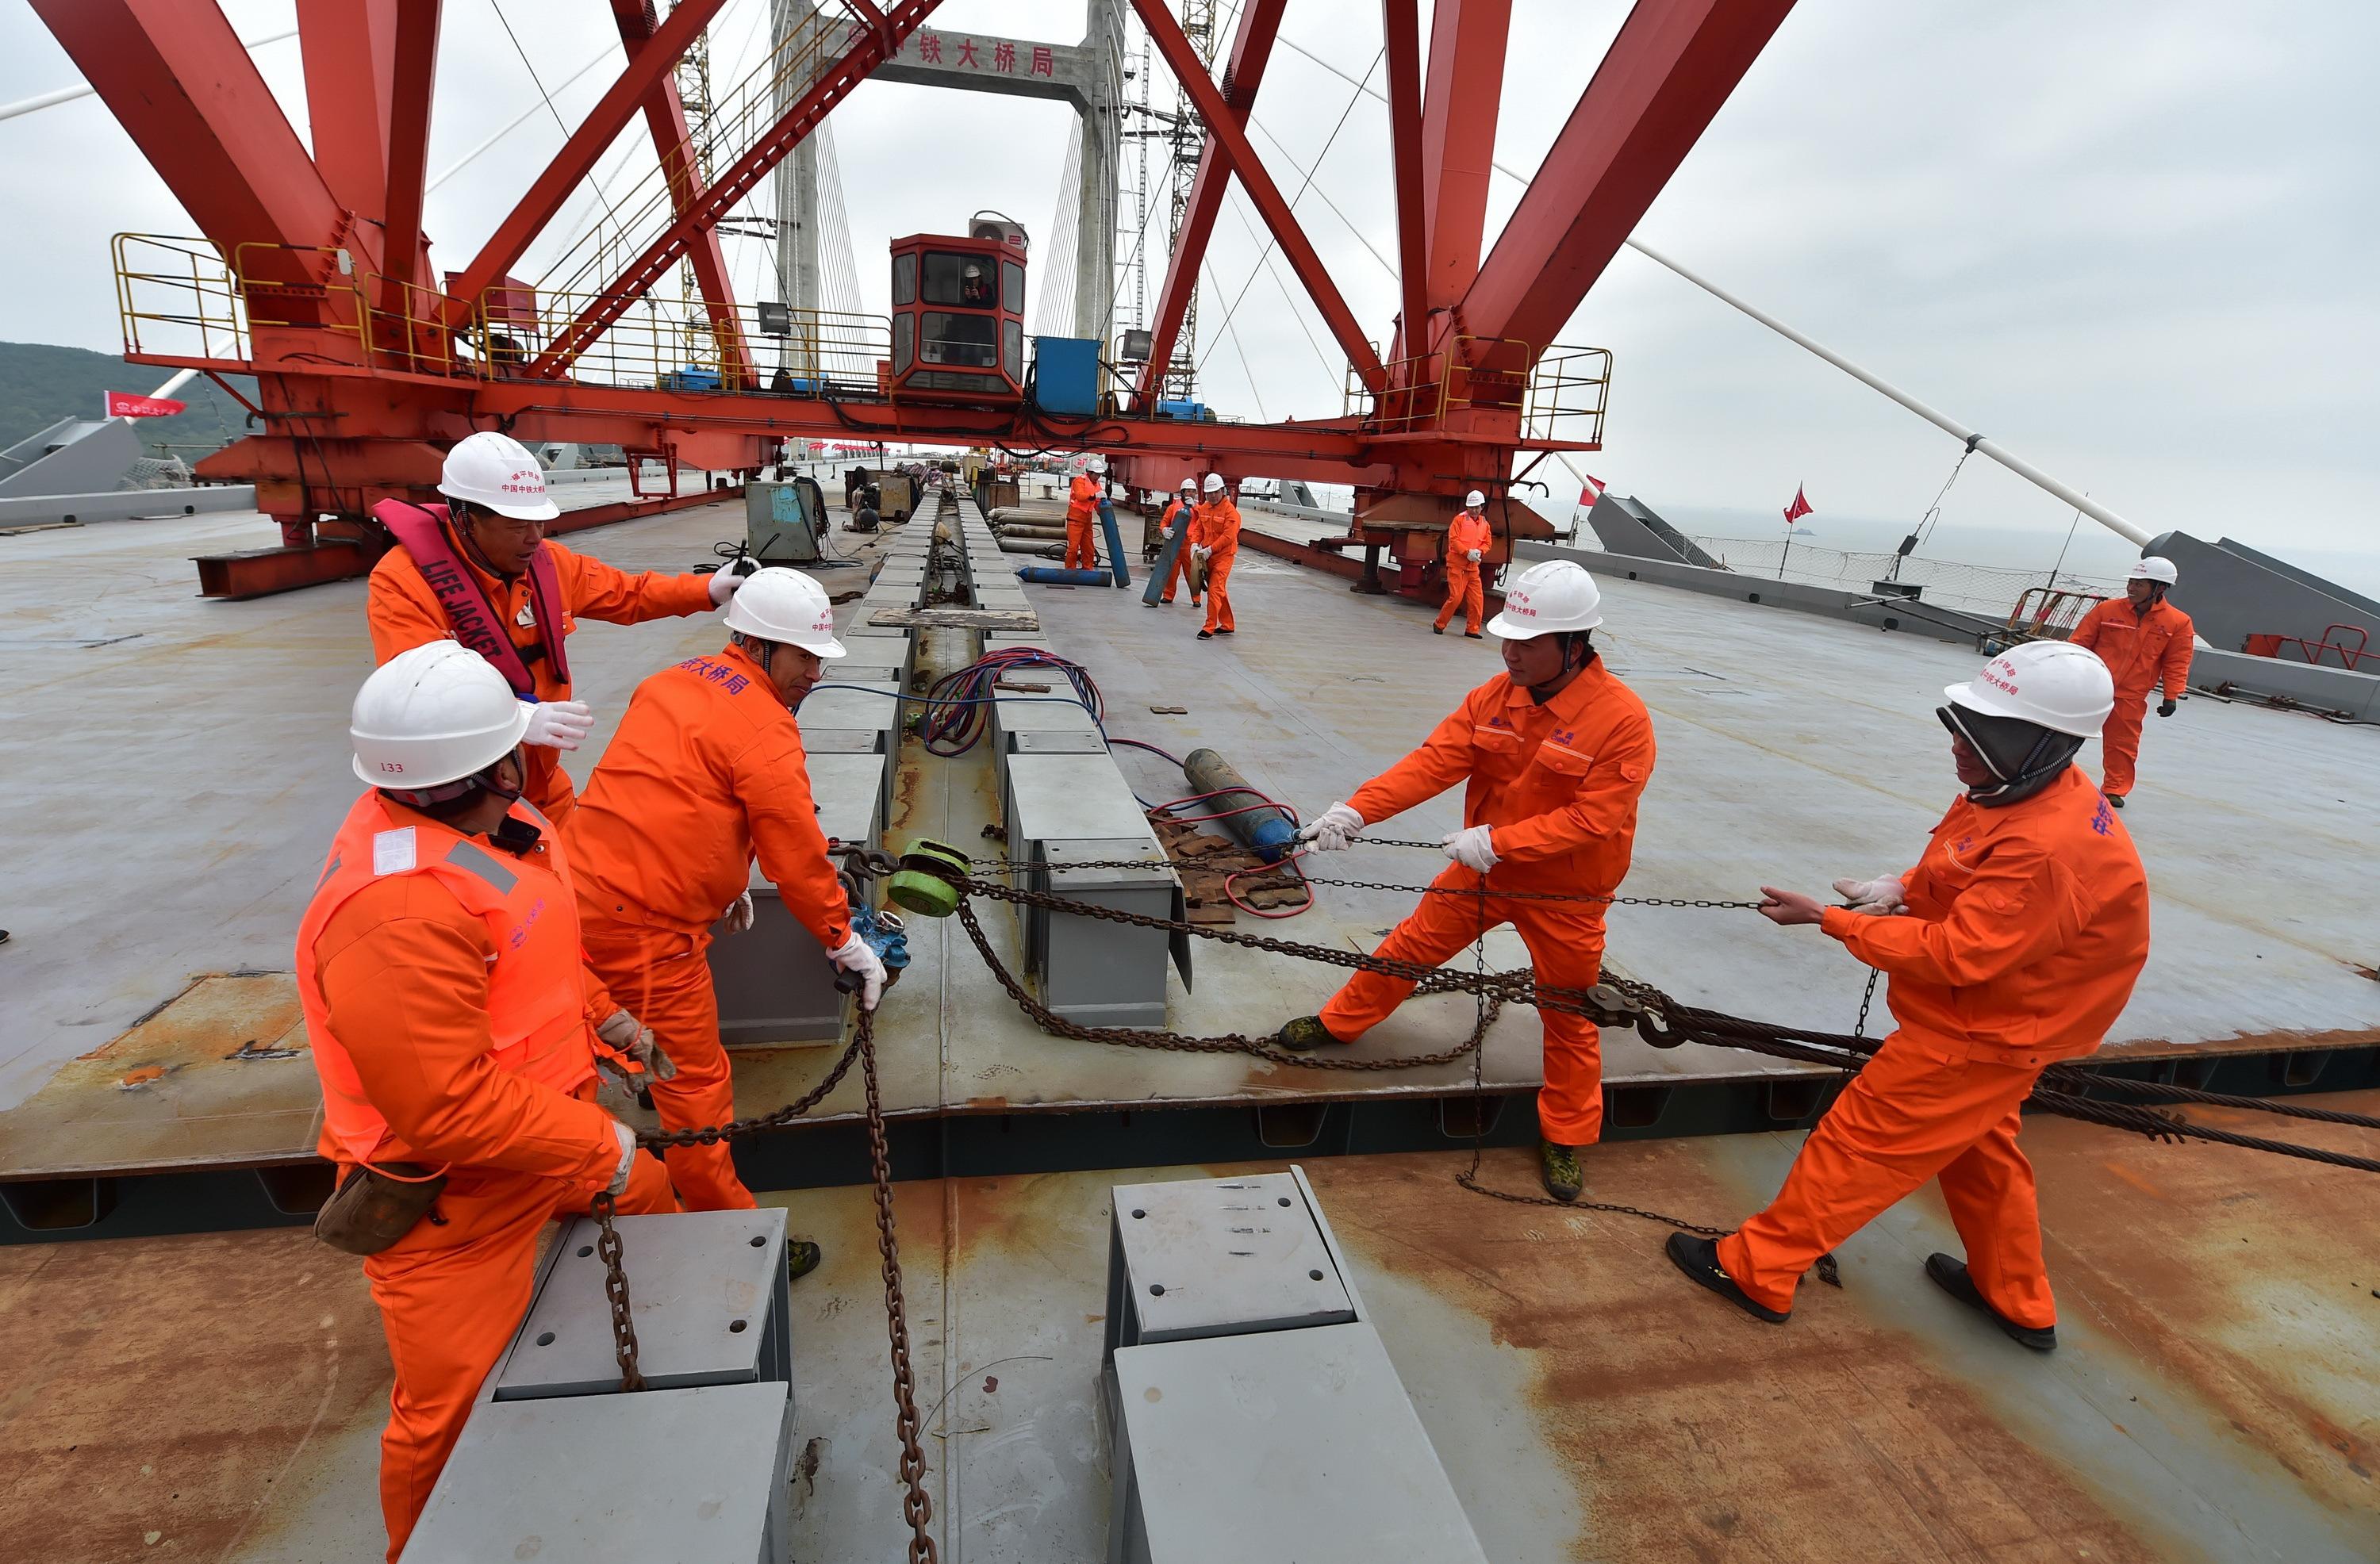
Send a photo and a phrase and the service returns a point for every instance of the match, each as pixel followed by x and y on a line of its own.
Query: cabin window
pixel 968 341
pixel 1012 287
pixel 905 279
pixel 947 280
pixel 904 329
pixel 1011 347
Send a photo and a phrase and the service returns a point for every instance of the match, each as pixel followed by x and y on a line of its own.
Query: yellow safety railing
pixel 675 346
pixel 1557 395
pixel 174 298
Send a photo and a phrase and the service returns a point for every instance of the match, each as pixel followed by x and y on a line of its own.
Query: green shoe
pixel 1304 1035
pixel 802 1256
pixel 1558 1165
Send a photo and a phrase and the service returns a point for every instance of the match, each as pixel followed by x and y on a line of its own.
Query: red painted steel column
pixel 1667 73
pixel 1223 133
pixel 349 48
pixel 1251 51
pixel 577 159
pixel 1402 25
pixel 410 92
pixel 1458 152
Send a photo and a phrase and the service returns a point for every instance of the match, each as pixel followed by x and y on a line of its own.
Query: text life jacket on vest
pixel 537 1002
pixel 421 530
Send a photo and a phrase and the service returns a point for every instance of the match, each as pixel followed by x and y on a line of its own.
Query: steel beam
pixel 1251 51
pixel 414 80
pixel 576 160
pixel 1459 112
pixel 349 48
pixel 1225 133
pixel 1663 79
pixel 682 174
pixel 867 50
pixel 1400 24
pixel 177 79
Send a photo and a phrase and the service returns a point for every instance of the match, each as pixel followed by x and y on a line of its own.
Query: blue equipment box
pixel 1066 374
pixel 1186 412
pixel 688 379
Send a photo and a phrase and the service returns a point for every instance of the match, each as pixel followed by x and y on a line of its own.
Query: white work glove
pixel 1470 847
pixel 1201 549
pixel 1166 533
pixel 738 915
pixel 625 1034
pixel 724 582
pixel 854 954
pixel 1332 830
pixel 1471 554
pixel 559 724
pixel 1880 897
pixel 628 1168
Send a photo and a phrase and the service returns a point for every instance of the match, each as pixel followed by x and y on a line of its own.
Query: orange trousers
pixel 1909 1116
pixel 1566 950
pixel 663 979
pixel 1080 554
pixel 2120 742
pixel 1219 596
pixel 1463 591
pixel 451 1293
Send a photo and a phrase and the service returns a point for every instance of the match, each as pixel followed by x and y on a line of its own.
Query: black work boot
pixel 1304 1035
pixel 2116 799
pixel 802 1256
pixel 1951 1277
pixel 1557 1167
pixel 1698 1257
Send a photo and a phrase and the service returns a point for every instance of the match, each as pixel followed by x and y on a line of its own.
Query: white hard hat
pixel 778 604
pixel 436 713
pixel 497 471
pixel 1474 499
pixel 1097 464
pixel 2155 569
pixel 2055 685
pixel 1214 484
pixel 1547 599
pixel 1190 485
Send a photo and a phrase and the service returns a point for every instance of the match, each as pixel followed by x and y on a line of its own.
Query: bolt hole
pixel 1157 1290
pixel 585 1250
pixel 760 1242
pixel 1316 1276
pixel 1284 1200
pixel 736 1327
pixel 545 1339
pixel 1138 1215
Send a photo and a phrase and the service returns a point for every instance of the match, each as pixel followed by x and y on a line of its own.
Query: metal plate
pixel 1069 797
pixel 700 1284
pixel 1205 1256
pixel 1296 1447
pixel 689 1475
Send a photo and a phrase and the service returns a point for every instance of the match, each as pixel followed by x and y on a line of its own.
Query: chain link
pixel 1015 867
pixel 615 1288
pixel 915 1508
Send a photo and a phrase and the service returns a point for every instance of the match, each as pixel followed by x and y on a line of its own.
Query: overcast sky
pixel 2132 241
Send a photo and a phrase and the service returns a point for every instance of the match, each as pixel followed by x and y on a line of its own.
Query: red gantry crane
pixel 312 274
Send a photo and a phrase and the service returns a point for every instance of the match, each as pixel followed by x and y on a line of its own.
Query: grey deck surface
pixel 175 766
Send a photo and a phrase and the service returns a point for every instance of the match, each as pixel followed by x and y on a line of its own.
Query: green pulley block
pixel 927 881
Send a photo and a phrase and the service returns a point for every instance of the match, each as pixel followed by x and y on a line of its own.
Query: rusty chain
pixel 1018 866
pixel 615 1289
pixel 915 1508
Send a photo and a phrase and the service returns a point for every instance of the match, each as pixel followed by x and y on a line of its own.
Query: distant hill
pixel 39 384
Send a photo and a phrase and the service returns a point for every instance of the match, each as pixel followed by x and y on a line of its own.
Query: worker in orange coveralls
pixel 2013 943
pixel 1554 754
pixel 708 768
pixel 1467 542
pixel 1082 512
pixel 2144 641
pixel 1181 511
pixel 1215 539
pixel 482 571
pixel 450 1020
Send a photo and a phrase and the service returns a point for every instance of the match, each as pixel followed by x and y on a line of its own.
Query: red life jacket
pixel 537 1001
pixel 422 530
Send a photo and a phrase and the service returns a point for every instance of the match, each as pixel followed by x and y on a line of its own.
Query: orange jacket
pixel 2026 927
pixel 1558 783
pixel 2141 651
pixel 1216 524
pixel 1180 512
pixel 404 612
pixel 1468 532
pixel 706 769
pixel 446 1001
pixel 1082 497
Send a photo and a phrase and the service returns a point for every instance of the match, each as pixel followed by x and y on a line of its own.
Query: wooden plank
pixel 956 618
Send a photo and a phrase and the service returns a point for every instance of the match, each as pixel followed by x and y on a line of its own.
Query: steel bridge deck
pixel 177 765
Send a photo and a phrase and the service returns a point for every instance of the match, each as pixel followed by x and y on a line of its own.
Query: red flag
pixel 1590 488
pixel 124 405
pixel 1798 509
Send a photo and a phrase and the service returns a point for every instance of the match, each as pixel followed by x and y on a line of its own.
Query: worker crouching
pixel 706 770
pixel 1553 755
pixel 1468 539
pixel 2013 943
pixel 480 571
pixel 450 1019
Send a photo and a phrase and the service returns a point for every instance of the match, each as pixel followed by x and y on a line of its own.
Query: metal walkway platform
pixel 177 766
